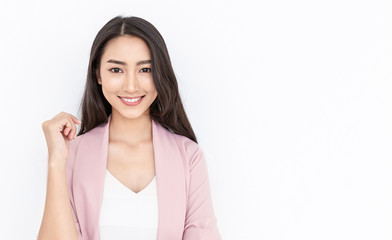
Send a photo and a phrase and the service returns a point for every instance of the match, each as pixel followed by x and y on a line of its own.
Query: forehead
pixel 126 48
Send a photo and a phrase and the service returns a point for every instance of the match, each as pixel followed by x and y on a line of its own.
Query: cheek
pixel 109 82
pixel 148 85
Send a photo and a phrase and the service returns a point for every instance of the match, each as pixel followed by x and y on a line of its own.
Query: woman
pixel 134 170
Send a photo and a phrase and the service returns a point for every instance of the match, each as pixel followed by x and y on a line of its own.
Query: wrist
pixel 56 162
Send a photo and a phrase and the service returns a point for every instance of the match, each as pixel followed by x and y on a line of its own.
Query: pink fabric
pixel 185 209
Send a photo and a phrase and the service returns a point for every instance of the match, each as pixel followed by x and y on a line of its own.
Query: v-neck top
pixel 126 214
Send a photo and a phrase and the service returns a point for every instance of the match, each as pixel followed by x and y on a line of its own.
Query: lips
pixel 131 101
pixel 131 97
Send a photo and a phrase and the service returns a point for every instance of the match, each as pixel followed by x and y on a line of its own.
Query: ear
pixel 98 77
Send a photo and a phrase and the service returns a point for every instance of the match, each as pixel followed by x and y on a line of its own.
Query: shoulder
pixel 184 143
pixel 190 149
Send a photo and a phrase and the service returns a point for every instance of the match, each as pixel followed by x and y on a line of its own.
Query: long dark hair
pixel 167 109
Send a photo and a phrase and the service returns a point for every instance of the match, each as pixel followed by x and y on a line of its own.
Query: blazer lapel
pixel 170 176
pixel 89 176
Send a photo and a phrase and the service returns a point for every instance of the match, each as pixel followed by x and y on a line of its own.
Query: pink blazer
pixel 185 208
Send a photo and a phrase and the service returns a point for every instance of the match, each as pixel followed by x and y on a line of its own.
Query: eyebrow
pixel 125 64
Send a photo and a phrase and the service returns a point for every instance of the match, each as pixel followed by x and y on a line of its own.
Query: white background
pixel 290 100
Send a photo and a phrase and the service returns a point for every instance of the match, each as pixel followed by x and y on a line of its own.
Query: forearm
pixel 57 222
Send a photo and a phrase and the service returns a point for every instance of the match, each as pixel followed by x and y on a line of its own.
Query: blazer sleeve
pixel 200 220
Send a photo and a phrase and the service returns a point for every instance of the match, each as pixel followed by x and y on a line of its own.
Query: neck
pixel 130 130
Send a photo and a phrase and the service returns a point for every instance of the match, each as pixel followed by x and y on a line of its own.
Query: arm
pixel 57 222
pixel 59 214
pixel 200 221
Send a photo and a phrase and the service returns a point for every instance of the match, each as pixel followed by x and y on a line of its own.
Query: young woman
pixel 134 170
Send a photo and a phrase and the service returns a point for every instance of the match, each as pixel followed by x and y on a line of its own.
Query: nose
pixel 131 83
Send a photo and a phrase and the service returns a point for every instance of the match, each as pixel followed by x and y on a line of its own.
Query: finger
pixel 70 127
pixel 76 120
pixel 70 135
pixel 66 131
pixel 60 115
pixel 66 124
pixel 73 130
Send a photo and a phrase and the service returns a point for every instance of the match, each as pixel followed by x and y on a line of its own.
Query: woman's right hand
pixel 59 131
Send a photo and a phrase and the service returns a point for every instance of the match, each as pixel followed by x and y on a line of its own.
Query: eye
pixel 115 70
pixel 146 70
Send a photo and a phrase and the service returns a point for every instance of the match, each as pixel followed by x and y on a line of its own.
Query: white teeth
pixel 132 99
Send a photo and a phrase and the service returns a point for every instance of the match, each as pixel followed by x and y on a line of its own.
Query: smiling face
pixel 126 77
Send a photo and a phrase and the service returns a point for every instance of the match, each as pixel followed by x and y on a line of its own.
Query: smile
pixel 132 101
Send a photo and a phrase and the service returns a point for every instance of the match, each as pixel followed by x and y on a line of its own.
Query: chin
pixel 133 114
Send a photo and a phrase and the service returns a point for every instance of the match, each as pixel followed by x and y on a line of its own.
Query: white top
pixel 126 214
